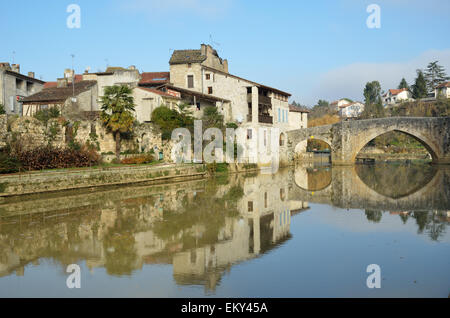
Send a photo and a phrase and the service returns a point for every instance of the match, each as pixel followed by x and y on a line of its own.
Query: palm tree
pixel 117 116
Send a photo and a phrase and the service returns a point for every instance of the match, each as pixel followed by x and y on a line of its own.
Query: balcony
pixel 261 99
pixel 265 119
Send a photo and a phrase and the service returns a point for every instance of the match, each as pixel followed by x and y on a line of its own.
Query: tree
pixel 419 89
pixel 117 108
pixel 372 92
pixel 435 75
pixel 403 84
pixel 2 109
pixel 212 118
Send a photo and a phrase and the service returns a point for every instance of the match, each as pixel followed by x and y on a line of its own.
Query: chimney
pixel 132 67
pixel 15 68
pixel 203 49
pixel 68 74
pixel 225 66
pixel 31 74
pixel 62 82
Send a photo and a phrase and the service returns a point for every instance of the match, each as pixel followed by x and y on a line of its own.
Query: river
pixel 308 231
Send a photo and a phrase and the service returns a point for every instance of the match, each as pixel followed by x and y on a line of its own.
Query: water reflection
pixel 203 228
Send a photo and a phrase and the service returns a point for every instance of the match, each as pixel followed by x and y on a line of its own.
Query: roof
pixel 251 82
pixel 347 105
pixel 297 109
pixel 195 93
pixel 442 85
pixel 59 93
pixel 78 78
pixel 154 78
pixel 397 91
pixel 187 56
pixel 156 91
pixel 24 77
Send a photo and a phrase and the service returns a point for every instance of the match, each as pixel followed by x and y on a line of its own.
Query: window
pixel 190 80
pixel 265 199
pixel 281 139
pixel 198 106
pixel 279 115
pixel 189 65
pixel 210 90
pixel 249 134
pixel 249 90
pixel 250 206
pixel 208 76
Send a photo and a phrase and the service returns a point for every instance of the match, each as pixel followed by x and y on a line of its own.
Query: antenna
pixel 14 56
pixel 212 42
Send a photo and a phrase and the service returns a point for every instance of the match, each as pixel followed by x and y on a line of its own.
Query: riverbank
pixel 45 181
pixel 69 179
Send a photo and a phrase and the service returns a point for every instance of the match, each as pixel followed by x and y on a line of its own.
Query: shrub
pixel 48 157
pixel 138 160
pixel 45 115
pixel 2 109
pixel 8 164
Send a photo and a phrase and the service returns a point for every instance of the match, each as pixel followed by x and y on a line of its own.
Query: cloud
pixel 349 81
pixel 163 8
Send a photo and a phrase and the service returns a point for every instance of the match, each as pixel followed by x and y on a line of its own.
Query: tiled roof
pixel 347 105
pixel 59 93
pixel 156 91
pixel 297 109
pixel 78 78
pixel 397 91
pixel 187 56
pixel 442 85
pixel 195 93
pixel 154 78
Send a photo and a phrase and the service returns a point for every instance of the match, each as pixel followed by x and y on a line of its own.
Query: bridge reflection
pixel 378 187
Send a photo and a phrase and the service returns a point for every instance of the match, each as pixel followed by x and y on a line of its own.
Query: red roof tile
pixel 155 78
pixel 442 85
pixel 397 91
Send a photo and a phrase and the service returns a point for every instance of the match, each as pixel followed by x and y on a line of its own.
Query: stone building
pixel 146 99
pixel 15 86
pixel 72 99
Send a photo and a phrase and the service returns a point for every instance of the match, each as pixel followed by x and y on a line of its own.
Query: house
pixel 298 117
pixel 154 79
pixel 394 96
pixel 15 86
pixel 204 74
pixel 352 110
pixel 71 99
pixel 340 102
pixel 442 90
pixel 114 76
pixel 146 99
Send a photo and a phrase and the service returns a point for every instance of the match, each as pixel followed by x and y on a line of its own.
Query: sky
pixel 311 49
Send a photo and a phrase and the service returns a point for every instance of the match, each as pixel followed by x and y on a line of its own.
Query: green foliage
pixel 168 119
pixel 232 125
pixel 117 108
pixel 2 109
pixel 212 118
pixel 419 89
pixel 322 108
pixel 403 84
pixel 372 92
pixel 45 115
pixel 8 163
pixel 435 75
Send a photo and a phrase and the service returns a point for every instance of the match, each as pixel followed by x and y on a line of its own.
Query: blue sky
pixel 312 49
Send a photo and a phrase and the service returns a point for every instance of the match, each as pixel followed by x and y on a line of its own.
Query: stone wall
pixel 39 182
pixel 33 133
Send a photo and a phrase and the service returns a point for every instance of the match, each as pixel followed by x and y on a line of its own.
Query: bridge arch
pixel 376 132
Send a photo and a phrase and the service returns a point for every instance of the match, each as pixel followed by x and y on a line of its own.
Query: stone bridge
pixel 347 138
pixel 346 190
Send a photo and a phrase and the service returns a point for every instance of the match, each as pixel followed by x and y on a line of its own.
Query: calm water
pixel 304 232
